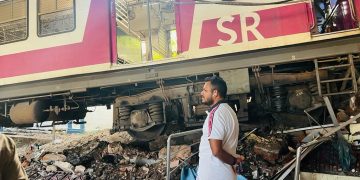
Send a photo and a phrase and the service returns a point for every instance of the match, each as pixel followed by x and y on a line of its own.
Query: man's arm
pixel 12 168
pixel 218 151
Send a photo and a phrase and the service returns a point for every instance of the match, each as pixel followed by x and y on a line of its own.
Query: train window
pixel 334 15
pixel 55 16
pixel 13 20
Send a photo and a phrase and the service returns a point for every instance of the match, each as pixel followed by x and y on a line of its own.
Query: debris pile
pixel 264 156
pixel 97 156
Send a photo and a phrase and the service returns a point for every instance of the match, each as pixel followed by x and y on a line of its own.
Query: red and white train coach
pixel 49 39
pixel 148 59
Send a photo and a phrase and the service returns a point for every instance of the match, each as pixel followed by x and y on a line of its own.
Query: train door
pixel 145 31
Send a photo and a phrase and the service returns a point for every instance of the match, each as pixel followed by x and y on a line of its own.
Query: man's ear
pixel 215 93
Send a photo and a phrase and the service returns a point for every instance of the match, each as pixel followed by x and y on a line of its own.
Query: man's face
pixel 207 94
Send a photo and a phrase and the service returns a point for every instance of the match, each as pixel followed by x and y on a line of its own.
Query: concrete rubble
pixel 270 155
pixel 264 156
pixel 102 155
pixel 97 156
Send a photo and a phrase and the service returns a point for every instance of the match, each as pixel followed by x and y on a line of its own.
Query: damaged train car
pixel 148 60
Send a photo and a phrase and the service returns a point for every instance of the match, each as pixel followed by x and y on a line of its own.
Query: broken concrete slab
pixel 51 168
pixel 179 152
pixel 79 169
pixel 174 163
pixel 65 166
pixel 53 157
pixel 268 151
pixel 114 148
pixel 122 137
pixel 128 168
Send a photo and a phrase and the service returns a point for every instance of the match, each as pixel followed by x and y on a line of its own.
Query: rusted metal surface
pixel 267 79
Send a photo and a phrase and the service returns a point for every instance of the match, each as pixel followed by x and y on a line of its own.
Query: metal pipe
pixel 53 132
pixel 297 169
pixel 248 134
pixel 150 56
pixel 32 97
pixel 344 83
pixel 5 109
pixel 127 15
pixel 332 113
pixel 285 171
pixel 317 76
pixel 184 161
pixel 168 153
pixel 352 71
pixel 65 104
pixel 342 125
pixel 267 79
pixel 305 129
pixel 333 59
pixel 336 80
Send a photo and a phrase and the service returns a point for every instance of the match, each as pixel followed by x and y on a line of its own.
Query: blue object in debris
pixel 72 130
pixel 188 173
pixel 240 177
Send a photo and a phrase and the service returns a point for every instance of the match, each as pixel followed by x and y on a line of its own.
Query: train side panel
pixel 88 48
pixel 239 28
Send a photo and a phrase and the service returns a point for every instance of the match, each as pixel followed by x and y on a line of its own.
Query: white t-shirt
pixel 224 127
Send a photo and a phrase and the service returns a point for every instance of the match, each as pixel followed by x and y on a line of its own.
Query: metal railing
pixel 168 152
pixel 122 13
pixel 300 153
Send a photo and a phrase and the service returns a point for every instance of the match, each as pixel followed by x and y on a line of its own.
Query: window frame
pixel 51 34
pixel 27 25
pixel 315 31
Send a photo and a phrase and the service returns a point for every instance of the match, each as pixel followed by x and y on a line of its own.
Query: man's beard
pixel 208 101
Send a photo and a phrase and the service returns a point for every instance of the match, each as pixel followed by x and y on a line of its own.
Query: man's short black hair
pixel 217 83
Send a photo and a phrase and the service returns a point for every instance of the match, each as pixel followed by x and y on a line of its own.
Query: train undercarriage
pixel 278 93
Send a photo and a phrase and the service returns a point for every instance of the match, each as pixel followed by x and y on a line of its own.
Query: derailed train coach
pixel 149 59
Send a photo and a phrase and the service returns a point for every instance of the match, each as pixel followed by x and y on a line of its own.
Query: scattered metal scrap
pixel 303 150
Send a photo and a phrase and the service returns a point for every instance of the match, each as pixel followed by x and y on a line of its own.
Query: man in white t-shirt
pixel 217 151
